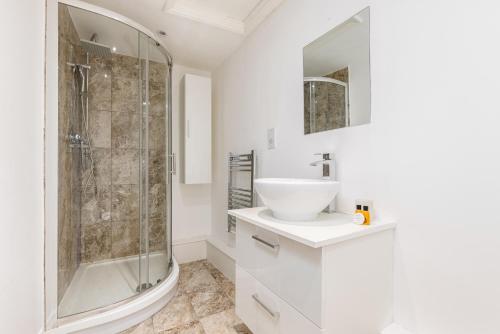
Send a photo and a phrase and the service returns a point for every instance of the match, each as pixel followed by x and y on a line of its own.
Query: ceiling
pixel 200 33
pixel 118 37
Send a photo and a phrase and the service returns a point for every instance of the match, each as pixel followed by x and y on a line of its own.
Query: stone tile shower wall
pixel 69 158
pixel 110 216
pixel 330 103
pixel 101 221
pixel 341 75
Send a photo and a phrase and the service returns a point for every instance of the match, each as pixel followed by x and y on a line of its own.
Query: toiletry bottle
pixel 358 218
pixel 366 213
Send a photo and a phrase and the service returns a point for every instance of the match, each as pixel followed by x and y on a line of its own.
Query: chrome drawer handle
pixel 273 314
pixel 268 244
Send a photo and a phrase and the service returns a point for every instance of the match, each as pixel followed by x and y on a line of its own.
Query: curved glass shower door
pixel 155 186
pixel 114 230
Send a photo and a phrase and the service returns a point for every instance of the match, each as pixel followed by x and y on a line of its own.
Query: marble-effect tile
pixel 125 128
pixel 221 323
pixel 157 240
pixel 197 281
pixel 178 312
pixel 99 91
pixel 96 241
pixel 157 200
pixel 206 303
pixel 125 67
pixel 242 329
pixel 96 206
pixel 125 238
pixel 157 130
pixel 125 202
pixel 125 95
pixel 157 99
pixel 198 308
pixel 102 167
pixel 100 129
pixel 125 166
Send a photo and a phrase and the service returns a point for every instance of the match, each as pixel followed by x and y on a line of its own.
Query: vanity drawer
pixel 289 269
pixel 264 312
pixel 259 252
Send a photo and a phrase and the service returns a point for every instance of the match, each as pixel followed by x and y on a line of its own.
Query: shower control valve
pixel 75 138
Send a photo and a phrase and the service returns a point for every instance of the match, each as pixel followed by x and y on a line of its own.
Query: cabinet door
pixel 264 312
pixel 197 100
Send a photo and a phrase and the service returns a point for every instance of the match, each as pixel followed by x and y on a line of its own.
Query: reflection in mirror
pixel 337 76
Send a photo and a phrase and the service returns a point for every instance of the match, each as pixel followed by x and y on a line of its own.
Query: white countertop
pixel 327 229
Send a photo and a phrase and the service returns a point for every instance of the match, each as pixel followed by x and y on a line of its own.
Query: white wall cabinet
pixel 196 107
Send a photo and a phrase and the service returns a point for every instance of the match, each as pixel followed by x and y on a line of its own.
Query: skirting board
pixel 221 261
pixel 188 250
pixel 395 329
pixel 194 249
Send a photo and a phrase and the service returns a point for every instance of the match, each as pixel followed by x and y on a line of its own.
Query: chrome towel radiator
pixel 240 186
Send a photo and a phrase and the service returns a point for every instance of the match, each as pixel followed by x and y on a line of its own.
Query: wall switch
pixel 271 139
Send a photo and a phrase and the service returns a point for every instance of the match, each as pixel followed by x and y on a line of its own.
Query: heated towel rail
pixel 240 187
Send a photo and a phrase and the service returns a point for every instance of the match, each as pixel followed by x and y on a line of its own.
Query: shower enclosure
pixel 114 150
pixel 326 104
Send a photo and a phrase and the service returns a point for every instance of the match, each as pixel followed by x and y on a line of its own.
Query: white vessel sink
pixel 296 199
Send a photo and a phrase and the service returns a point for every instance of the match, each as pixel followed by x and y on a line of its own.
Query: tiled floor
pixel 204 304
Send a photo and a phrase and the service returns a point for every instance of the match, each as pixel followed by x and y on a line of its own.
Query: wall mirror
pixel 337 76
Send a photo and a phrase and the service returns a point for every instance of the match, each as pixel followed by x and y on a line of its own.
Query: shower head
pixel 95 48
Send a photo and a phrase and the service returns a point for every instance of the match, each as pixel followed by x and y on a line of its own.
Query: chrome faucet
pixel 328 173
pixel 326 162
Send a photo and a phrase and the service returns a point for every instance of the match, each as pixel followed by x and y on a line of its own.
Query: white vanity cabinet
pixel 327 276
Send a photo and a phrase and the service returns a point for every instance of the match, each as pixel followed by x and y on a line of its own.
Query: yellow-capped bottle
pixel 366 213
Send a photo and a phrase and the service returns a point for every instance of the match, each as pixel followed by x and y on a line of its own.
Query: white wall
pixel 430 158
pixel 21 166
pixel 191 203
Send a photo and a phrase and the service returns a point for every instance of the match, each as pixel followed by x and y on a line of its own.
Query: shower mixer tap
pixel 75 139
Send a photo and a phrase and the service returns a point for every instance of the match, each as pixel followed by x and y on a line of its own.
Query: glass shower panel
pixel 99 161
pixel 159 151
pixel 155 254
